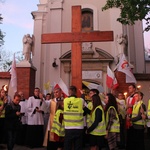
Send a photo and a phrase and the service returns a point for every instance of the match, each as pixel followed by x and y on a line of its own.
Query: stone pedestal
pixel 26 78
pixel 121 78
pixel 87 54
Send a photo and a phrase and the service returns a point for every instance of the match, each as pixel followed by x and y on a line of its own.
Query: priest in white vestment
pixel 35 124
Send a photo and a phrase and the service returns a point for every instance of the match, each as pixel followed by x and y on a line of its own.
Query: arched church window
pixel 87 20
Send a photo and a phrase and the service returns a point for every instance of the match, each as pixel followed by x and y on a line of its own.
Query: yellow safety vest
pixel 2 113
pixel 135 112
pixel 88 116
pixel 101 128
pixel 148 108
pixel 57 127
pixel 115 127
pixel 73 113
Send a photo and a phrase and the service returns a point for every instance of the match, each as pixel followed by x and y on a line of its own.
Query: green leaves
pixel 130 10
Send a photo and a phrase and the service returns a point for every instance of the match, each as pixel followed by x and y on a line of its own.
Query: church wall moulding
pixel 88 61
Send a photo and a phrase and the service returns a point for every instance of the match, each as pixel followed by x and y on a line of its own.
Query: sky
pixel 17 21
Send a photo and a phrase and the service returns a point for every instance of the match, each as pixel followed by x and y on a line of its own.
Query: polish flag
pixel 111 80
pixel 115 83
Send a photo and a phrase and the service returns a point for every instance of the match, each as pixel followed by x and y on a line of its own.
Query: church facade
pixel 53 61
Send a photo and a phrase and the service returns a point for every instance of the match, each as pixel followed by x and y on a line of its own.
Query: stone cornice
pixel 142 76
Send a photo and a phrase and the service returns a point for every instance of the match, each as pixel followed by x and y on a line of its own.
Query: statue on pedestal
pixel 87 46
pixel 28 43
pixel 121 44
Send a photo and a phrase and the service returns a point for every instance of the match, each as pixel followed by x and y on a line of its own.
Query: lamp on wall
pixel 54 63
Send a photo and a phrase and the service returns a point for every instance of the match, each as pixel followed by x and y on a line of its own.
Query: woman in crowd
pixel 58 125
pixel 122 114
pixel 97 129
pixel 138 122
pixel 112 121
pixel 3 103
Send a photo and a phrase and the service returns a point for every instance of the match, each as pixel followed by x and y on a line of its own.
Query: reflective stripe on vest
pixel 148 108
pixel 88 116
pixel 115 127
pixel 73 112
pixel 101 128
pixel 2 113
pixel 57 127
pixel 135 112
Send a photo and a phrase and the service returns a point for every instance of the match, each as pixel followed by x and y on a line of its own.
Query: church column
pixel 139 47
pixel 53 51
pixel 136 46
pixel 39 19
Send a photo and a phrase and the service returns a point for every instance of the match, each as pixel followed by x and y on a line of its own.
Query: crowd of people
pixel 65 123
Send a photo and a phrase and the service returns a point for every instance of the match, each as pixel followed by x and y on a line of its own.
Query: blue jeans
pixel 11 137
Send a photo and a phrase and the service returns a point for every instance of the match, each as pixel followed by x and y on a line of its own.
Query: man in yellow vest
pixel 73 120
pixel 138 122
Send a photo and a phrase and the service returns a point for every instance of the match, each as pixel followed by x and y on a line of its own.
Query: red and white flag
pixel 13 80
pixel 123 66
pixel 111 80
pixel 115 83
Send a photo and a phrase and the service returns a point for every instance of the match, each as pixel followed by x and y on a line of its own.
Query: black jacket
pixel 12 121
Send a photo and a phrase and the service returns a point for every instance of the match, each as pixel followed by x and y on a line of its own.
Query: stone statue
pixel 87 46
pixel 28 43
pixel 122 44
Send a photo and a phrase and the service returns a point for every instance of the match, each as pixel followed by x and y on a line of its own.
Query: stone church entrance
pixel 94 65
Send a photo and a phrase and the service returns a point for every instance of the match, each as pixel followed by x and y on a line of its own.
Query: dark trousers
pixel 135 139
pixel 129 138
pixel 138 139
pixel 21 135
pixel 11 137
pixel 73 138
pixel 122 133
pixel 2 131
pixel 50 144
pixel 148 132
pixel 34 136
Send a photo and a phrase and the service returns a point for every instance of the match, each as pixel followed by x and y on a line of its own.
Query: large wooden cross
pixel 76 37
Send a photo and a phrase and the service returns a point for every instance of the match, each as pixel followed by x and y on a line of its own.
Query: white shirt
pixel 46 106
pixel 23 105
pixel 35 118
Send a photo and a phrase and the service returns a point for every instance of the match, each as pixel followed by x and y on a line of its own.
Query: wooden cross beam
pixel 76 37
pixel 96 36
